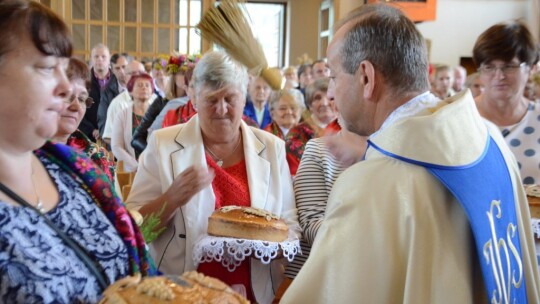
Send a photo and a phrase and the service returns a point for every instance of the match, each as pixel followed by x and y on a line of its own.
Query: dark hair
pixel 116 56
pixel 504 41
pixel 384 36
pixel 320 84
pixel 48 33
pixel 302 69
pixel 134 78
pixel 77 69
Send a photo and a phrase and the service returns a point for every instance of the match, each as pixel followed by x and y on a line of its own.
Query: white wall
pixel 460 22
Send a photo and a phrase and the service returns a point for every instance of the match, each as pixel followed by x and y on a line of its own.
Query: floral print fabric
pixel 98 154
pixel 35 264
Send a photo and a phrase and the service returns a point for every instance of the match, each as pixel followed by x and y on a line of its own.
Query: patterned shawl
pixel 274 129
pixel 98 154
pixel 102 192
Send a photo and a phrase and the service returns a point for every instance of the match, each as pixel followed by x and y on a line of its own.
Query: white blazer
pixel 172 150
pixel 122 134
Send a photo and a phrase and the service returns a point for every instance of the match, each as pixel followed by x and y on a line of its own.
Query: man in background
pixel 460 76
pixel 100 75
pixel 118 64
pixel 319 69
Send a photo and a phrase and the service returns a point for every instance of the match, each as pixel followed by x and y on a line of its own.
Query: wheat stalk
pixel 227 25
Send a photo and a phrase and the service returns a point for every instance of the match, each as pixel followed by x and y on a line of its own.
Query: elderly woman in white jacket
pixel 140 87
pixel 211 161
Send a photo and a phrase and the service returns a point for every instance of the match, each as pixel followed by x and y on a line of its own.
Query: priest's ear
pixel 365 74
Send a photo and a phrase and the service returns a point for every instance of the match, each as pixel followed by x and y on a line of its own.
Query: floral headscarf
pixel 181 63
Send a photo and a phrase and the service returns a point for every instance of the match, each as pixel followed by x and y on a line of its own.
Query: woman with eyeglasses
pixel 504 55
pixel 72 114
pixel 64 234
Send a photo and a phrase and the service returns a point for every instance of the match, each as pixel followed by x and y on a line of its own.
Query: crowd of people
pixel 402 180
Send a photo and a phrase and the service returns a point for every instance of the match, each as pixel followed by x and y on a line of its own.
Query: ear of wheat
pixel 227 25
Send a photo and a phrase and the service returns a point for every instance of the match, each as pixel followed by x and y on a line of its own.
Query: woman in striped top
pixel 318 171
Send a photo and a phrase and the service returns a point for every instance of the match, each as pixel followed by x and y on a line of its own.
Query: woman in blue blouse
pixel 64 235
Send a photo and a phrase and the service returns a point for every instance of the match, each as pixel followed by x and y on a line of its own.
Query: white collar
pixel 411 108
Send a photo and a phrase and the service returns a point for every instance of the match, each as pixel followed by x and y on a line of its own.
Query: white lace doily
pixel 231 251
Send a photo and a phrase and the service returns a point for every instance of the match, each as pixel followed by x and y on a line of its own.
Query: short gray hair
pixel 100 46
pixel 277 95
pixel 217 70
pixel 384 36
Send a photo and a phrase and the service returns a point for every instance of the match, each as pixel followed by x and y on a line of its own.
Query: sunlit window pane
pixel 183 12
pixel 182 42
pixel 267 21
pixel 194 42
pixel 195 8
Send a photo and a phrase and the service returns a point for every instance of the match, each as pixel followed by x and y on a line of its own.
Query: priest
pixel 435 213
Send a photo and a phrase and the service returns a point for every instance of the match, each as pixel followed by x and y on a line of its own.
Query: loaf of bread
pixel 533 196
pixel 247 223
pixel 191 287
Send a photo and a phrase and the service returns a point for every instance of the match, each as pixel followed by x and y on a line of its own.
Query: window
pixel 268 25
pixel 142 28
pixel 268 20
pixel 326 21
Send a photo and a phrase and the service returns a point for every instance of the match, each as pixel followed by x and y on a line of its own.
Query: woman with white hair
pixel 285 111
pixel 213 160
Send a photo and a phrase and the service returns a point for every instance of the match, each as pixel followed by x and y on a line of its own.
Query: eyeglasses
pixel 507 69
pixel 83 100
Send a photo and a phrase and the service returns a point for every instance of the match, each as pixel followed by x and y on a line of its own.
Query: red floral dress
pixel 230 188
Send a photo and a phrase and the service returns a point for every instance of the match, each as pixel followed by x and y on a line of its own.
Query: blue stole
pixel 484 190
